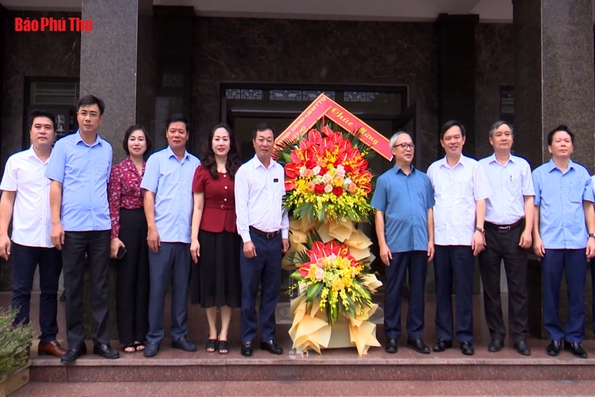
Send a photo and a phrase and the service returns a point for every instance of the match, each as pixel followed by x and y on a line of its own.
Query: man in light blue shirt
pixel 168 202
pixel 508 226
pixel 563 235
pixel 79 170
pixel 404 199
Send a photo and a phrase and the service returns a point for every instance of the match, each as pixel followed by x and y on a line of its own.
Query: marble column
pixel 456 74
pixel 553 81
pixel 553 85
pixel 117 64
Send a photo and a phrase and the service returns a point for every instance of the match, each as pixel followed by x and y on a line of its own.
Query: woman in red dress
pixel 215 245
pixel 129 240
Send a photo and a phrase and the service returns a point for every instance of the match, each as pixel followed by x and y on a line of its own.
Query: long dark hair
pixel 233 156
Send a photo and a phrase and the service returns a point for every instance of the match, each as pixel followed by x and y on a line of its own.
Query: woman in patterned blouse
pixel 129 240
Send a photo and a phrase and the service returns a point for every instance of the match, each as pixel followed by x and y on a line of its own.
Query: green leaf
pixel 314 291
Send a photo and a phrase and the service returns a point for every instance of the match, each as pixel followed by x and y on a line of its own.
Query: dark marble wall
pixel 494 48
pixel 30 54
pixel 325 52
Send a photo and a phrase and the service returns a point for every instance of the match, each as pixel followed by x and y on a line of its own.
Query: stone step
pixel 334 364
pixel 310 388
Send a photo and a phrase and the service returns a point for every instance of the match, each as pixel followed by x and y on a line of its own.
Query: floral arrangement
pixel 327 176
pixel 333 277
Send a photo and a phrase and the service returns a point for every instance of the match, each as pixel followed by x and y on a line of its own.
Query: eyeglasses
pixel 405 146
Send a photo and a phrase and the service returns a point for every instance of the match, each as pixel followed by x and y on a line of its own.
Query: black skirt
pixel 216 279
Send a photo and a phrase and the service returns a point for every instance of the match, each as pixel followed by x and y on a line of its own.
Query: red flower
pixel 319 189
pixel 338 190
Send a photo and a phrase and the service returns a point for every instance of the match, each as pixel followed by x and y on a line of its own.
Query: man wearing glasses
pixel 404 199
pixel 460 189
pixel 79 169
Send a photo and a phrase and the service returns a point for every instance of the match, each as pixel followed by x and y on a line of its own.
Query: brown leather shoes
pixel 52 348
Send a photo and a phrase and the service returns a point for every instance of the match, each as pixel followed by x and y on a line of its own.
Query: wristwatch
pixel 483 230
pixel 591 235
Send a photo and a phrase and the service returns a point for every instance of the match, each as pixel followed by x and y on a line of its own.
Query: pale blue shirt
pixel 405 201
pixel 510 183
pixel 84 172
pixel 171 181
pixel 259 195
pixel 456 191
pixel 560 199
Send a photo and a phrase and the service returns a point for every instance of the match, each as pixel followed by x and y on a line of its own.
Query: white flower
pixel 328 188
pixel 340 170
pixel 303 171
pixel 316 170
pixel 327 178
pixel 319 274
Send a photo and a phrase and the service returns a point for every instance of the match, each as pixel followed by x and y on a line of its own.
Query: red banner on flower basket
pixel 323 106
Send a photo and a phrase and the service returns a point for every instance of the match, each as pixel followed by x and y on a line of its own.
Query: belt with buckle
pixel 267 235
pixel 503 229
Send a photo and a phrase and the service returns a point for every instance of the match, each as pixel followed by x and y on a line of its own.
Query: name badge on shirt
pixel 275 180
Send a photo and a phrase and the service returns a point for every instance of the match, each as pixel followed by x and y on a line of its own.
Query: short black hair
pixel 449 124
pixel 91 100
pixel 561 127
pixel 129 132
pixel 178 118
pixel 262 127
pixel 33 114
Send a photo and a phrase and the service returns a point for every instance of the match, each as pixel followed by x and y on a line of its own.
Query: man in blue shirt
pixel 168 202
pixel 79 169
pixel 404 200
pixel 563 234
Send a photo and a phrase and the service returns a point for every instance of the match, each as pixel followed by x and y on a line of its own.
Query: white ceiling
pixel 367 10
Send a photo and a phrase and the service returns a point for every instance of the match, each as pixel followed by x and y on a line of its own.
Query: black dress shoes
pixel 271 347
pixel 151 349
pixel 553 349
pixel 575 348
pixel 467 348
pixel 418 345
pixel 391 346
pixel 522 348
pixel 183 344
pixel 442 345
pixel 495 345
pixel 73 354
pixel 246 349
pixel 105 351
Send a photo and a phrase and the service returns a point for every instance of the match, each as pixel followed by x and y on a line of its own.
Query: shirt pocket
pixel 514 187
pixel 575 195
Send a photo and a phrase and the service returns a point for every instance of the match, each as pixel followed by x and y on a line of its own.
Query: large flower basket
pixel 327 192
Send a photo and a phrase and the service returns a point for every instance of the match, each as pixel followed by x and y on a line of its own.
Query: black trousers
pixel 132 282
pixel 95 245
pixel 505 246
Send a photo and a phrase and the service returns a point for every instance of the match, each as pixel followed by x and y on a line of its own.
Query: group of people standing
pixel 494 209
pixel 72 210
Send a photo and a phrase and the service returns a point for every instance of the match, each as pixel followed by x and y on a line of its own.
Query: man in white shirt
pixel 460 189
pixel 26 199
pixel 508 227
pixel 259 190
